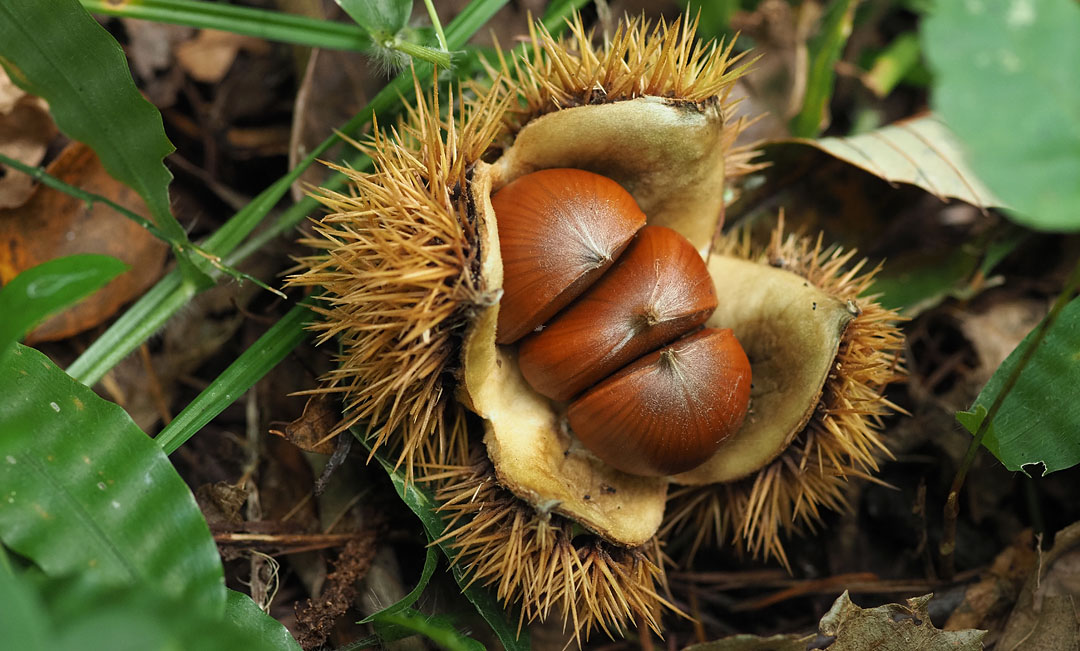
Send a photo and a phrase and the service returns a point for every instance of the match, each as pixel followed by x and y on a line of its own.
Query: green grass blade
pixel 134 326
pixel 50 287
pixel 84 491
pixel 398 625
pixel 170 294
pixel 253 363
pixel 271 25
pixel 261 629
pixel 57 51
pixel 1006 84
pixel 424 505
pixel 431 560
pixel 825 51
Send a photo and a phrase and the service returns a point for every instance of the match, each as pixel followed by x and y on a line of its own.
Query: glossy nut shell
pixel 670 410
pixel 559 230
pixel 658 290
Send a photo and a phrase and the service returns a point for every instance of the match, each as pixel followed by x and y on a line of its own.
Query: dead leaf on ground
pixel 998 330
pixel 26 129
pixel 919 151
pixel 1047 615
pixel 309 431
pixel 150 48
pixel 986 603
pixel 209 55
pixel 847 627
pixel 892 627
pixel 52 224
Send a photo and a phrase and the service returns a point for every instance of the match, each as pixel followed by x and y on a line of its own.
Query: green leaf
pixel 84 491
pixel 424 505
pixel 395 626
pixel 893 64
pixel 431 560
pixel 24 625
pixel 1006 84
pixel 386 16
pixel 1039 420
pixel 269 25
pixel 50 287
pixel 825 50
pixel 57 51
pixel 150 313
pixel 259 628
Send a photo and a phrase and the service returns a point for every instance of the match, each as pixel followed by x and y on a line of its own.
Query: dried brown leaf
pixel 53 224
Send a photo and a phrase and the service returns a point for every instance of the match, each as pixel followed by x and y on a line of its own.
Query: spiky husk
pixel 842 439
pixel 399 275
pixel 533 560
pixel 661 60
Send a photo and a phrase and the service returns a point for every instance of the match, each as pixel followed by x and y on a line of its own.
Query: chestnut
pixel 559 230
pixel 657 291
pixel 669 411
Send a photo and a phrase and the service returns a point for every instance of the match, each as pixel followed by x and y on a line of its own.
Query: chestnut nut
pixel 610 295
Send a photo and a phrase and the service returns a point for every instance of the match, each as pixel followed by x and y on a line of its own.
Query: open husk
pixel 410 266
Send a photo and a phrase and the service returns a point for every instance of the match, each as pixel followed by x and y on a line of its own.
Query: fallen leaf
pixel 53 224
pixel 1047 615
pixel 847 627
pixel 998 330
pixel 309 431
pixel 987 603
pixel 892 627
pixel 26 129
pixel 919 151
pixel 209 55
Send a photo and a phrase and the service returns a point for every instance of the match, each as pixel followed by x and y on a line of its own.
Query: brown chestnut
pixel 669 411
pixel 559 230
pixel 657 291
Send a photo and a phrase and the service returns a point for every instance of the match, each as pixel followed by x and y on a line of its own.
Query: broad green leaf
pixel 441 630
pixel 244 616
pixel 24 625
pixel 1039 421
pixel 83 491
pixel 424 505
pixel 92 617
pixel 825 50
pixel 57 51
pixel 50 287
pixel 386 16
pixel 1006 83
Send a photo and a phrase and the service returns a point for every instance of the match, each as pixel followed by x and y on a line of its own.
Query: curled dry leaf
pixel 312 431
pixel 52 224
